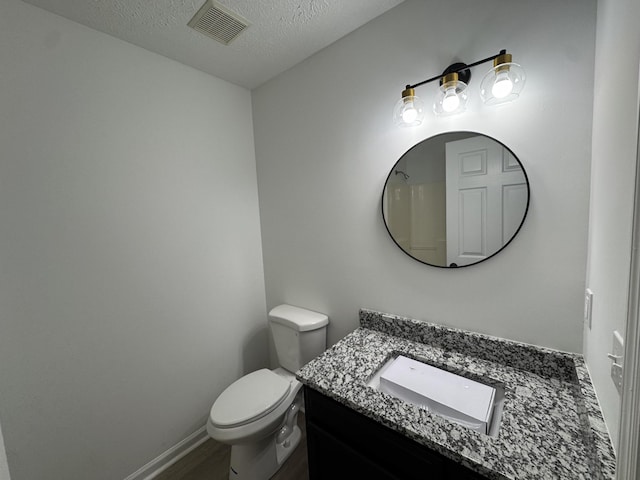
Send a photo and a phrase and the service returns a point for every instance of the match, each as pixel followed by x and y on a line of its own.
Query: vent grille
pixel 218 22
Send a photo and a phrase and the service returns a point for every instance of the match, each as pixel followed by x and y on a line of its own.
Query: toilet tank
pixel 299 335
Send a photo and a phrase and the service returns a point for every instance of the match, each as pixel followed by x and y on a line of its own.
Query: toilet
pixel 257 414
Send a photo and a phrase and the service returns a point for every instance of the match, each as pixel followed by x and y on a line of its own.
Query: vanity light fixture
pixel 503 83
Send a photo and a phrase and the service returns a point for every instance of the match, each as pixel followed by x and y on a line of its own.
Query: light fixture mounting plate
pixel 464 73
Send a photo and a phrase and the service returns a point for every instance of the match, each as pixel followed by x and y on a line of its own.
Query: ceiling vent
pixel 218 22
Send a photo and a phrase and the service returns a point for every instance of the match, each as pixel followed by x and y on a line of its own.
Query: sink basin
pixel 466 402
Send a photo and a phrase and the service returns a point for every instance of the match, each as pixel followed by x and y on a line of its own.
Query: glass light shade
pixel 502 84
pixel 451 97
pixel 409 110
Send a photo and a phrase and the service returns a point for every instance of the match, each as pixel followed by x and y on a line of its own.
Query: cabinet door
pixel 342 443
pixel 393 454
pixel 331 459
pixel 458 472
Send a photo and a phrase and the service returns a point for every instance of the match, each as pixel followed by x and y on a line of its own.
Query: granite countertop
pixel 552 426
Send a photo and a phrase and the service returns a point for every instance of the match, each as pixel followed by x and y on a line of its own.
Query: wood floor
pixel 210 461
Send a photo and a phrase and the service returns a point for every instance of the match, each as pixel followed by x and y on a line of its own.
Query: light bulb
pixel 409 110
pixel 451 97
pixel 409 114
pixel 450 102
pixel 504 82
pixel 503 86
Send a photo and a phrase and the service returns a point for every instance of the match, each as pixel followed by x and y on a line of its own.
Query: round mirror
pixel 455 199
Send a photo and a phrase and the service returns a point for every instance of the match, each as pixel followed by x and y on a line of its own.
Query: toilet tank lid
pixel 298 318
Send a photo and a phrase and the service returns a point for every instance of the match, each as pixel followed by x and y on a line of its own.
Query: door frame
pixel 628 458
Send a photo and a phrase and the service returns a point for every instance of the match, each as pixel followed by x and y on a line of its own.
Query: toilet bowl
pixel 257 414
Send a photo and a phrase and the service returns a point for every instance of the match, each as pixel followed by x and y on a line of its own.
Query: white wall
pixel 615 136
pixel 325 143
pixel 131 287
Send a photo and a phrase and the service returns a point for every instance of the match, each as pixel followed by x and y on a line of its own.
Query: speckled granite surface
pixel 552 426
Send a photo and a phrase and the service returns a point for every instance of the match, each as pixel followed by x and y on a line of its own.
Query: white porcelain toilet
pixel 257 414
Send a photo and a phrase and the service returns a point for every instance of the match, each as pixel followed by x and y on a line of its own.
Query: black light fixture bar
pixel 458 68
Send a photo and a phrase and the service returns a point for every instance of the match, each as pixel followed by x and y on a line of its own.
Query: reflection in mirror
pixel 455 199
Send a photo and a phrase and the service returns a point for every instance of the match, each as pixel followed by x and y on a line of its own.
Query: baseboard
pixel 171 456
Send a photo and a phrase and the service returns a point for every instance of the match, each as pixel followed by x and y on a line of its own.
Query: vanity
pixel 547 425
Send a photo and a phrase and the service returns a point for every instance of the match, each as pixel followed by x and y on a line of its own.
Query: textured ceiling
pixel 281 33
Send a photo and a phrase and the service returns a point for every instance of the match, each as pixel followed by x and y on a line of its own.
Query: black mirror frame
pixel 454 266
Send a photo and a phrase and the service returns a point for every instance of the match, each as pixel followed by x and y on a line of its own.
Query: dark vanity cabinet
pixel 343 443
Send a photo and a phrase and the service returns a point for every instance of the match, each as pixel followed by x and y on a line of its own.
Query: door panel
pixel 487 197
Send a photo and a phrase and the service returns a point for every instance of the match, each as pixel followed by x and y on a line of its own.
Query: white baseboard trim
pixel 171 456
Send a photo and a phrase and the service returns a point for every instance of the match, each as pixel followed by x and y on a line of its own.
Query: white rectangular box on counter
pixel 452 396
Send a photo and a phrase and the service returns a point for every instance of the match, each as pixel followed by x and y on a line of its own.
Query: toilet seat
pixel 249 398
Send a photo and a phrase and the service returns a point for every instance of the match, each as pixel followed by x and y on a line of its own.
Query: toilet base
pixel 261 460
